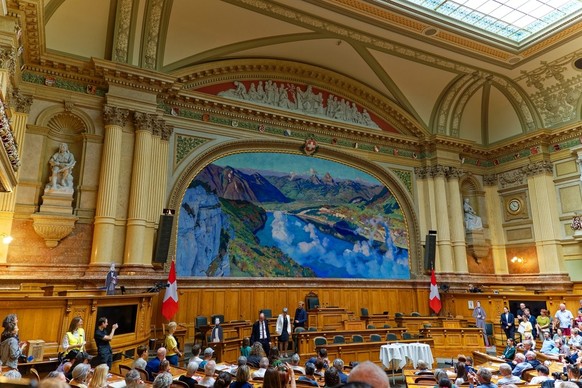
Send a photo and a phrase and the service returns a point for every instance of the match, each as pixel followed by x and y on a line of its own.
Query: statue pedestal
pixel 477 245
pixel 55 220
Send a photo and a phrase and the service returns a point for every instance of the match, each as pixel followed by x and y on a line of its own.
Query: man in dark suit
pixel 260 333
pixel 508 323
pixel 217 334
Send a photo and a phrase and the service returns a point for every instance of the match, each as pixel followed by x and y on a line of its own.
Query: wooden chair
pixel 339 339
pixel 415 314
pixel 179 384
pixel 387 326
pixel 425 373
pixel 143 374
pixel 319 341
pixel 375 338
pixel 371 327
pixel 406 336
pixel 357 338
pixel 34 374
pixel 123 369
pixel 425 380
pixel 391 337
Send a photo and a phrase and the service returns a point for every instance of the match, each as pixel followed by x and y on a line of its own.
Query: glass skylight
pixel 515 20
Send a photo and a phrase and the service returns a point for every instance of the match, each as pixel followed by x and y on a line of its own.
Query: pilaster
pixel 438 174
pixel 456 217
pixel 495 225
pixel 545 216
pixel 104 227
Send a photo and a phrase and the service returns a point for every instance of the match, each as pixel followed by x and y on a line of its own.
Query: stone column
pixel 456 215
pixel 545 218
pixel 495 225
pixel 140 193
pixel 438 174
pixel 19 108
pixel 104 227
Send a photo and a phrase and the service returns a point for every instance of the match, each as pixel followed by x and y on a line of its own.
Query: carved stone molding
pixel 167 131
pixel 53 227
pixel 454 172
pixel 152 33
pixel 113 115
pixel 512 178
pixel 438 171
pixel 8 59
pixel 538 168
pixel 490 180
pixel 122 33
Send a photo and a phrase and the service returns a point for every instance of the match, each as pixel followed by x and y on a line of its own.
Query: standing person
pixel 508 323
pixel 519 312
pixel 103 341
pixel 174 353
pixel 300 315
pixel 283 329
pixel 260 333
pixel 74 338
pixel 10 346
pixel 563 319
pixel 543 323
pixel 217 334
pixel 479 315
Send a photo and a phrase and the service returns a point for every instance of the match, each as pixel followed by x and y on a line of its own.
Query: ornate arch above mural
pixel 279 222
pixel 307 89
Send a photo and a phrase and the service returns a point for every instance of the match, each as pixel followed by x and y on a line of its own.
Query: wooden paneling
pixel 449 342
pixel 47 318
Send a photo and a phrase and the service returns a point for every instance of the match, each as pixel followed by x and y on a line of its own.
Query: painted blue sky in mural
pixel 282 215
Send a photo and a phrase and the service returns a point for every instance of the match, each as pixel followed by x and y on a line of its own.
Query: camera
pixel 560 376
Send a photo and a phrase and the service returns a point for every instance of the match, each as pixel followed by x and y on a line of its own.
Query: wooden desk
pixel 378 320
pixel 354 325
pixel 362 351
pixel 305 338
pixel 230 330
pixel 451 342
pixel 415 324
pixel 452 323
pixel 328 318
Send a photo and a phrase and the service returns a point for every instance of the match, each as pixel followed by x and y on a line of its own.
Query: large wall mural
pixel 260 214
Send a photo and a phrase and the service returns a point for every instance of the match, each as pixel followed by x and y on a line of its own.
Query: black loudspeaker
pixel 430 250
pixel 164 237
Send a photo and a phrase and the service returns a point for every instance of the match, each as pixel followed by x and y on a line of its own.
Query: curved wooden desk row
pixel 362 351
pixel 305 338
pixel 452 341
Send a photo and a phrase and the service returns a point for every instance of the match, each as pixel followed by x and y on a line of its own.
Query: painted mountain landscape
pixel 283 215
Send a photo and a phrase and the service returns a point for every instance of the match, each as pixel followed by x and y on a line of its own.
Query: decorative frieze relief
pixel 490 180
pixel 512 178
pixel 538 168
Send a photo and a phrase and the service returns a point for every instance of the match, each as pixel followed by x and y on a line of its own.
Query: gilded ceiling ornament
pixel 123 22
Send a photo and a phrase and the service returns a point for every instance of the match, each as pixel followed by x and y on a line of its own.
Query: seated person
pixel 531 358
pixel 421 366
pixel 295 364
pixel 263 365
pixel 520 364
pixel 370 373
pixel 309 375
pixel 188 378
pixel 482 378
pixel 245 349
pixel 548 343
pixel 525 346
pixel 196 349
pixel 142 358
pixel 319 367
pixel 461 373
pixel 560 350
pixel 209 369
pixel 153 365
pixel 224 380
pixel 257 353
pixel 509 352
pixel 274 357
pixel 208 353
pixel 575 340
pixel 543 375
pixel 505 376
pixel 321 353
pixel 441 375
pixel 338 363
pixel 469 365
pixel 331 377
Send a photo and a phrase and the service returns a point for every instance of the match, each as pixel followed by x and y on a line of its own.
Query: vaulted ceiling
pixel 452 80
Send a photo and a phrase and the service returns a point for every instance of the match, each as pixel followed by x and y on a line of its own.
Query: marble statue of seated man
pixel 472 220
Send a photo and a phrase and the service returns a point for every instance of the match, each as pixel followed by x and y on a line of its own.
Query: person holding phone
pixel 103 341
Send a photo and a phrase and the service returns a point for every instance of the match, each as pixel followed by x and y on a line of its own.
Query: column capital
pixel 439 170
pixel 421 172
pixel 145 122
pixel 20 102
pixel 113 115
pixel 454 172
pixel 539 168
pixel 8 59
pixel 167 132
pixel 490 180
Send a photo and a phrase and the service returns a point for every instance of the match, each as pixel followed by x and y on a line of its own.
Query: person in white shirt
pixel 563 319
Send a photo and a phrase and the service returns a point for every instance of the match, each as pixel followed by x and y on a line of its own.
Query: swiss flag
pixel 434 298
pixel 170 303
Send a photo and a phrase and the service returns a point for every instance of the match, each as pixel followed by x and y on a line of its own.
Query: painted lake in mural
pixel 282 215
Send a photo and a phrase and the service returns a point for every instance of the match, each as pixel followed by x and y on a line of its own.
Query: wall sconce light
pixel 6 239
pixel 517 260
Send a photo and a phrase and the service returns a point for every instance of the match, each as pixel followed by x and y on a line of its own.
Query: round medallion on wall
pixel 514 205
